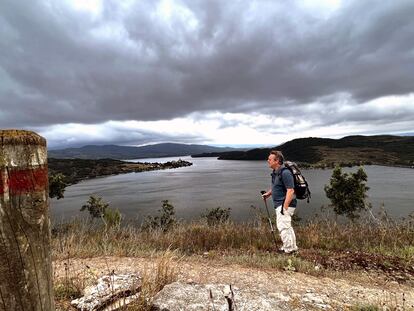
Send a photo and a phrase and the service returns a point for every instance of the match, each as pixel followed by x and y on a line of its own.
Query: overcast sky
pixel 207 72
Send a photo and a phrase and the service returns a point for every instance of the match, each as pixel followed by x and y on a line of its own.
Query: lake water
pixel 210 183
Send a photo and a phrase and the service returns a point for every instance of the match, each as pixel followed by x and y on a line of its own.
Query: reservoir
pixel 211 183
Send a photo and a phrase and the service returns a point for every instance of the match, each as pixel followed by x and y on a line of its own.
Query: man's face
pixel 272 161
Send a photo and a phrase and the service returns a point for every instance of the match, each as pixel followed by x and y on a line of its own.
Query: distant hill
pixel 125 152
pixel 382 150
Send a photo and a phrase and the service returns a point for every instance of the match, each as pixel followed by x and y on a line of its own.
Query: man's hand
pixel 289 197
pixel 265 194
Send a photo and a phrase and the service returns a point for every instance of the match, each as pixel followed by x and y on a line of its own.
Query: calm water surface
pixel 211 183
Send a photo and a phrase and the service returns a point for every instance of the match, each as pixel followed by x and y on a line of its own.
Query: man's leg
pixel 284 225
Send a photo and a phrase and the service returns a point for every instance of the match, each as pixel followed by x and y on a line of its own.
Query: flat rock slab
pixel 306 292
pixel 112 292
pixel 180 296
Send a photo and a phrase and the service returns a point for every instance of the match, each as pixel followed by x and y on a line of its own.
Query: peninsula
pixel 76 170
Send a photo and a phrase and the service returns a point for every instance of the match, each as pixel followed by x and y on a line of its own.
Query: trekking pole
pixel 269 218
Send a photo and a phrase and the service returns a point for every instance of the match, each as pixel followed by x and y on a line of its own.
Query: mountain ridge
pixel 130 152
pixel 378 149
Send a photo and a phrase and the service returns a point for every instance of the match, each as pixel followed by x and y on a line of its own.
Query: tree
pixel 347 192
pixel 57 185
pixel 97 208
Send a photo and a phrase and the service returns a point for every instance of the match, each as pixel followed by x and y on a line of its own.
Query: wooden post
pixel 25 260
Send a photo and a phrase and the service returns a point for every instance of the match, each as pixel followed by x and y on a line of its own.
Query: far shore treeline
pixel 325 152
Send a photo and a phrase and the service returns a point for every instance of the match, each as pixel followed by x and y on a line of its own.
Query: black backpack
pixel 302 191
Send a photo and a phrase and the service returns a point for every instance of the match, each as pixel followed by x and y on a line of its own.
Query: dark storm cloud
pixel 59 138
pixel 132 139
pixel 59 65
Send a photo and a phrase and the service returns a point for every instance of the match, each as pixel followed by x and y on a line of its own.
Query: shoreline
pixel 77 170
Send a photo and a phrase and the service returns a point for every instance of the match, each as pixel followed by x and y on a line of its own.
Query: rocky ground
pixel 269 289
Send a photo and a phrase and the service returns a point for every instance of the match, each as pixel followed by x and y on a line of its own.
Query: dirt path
pixel 322 292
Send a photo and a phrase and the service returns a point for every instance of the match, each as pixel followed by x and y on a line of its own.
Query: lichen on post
pixel 25 260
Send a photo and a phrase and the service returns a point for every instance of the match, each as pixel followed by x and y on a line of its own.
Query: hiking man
pixel 284 200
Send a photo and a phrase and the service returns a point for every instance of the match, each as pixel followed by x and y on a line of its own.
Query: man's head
pixel 275 159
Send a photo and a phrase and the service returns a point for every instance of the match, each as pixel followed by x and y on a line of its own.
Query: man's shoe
pixel 282 252
pixel 295 252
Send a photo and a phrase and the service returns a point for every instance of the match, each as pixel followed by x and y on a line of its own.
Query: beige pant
pixel 284 225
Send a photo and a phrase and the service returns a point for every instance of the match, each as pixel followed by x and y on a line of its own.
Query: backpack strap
pixel 309 192
pixel 280 175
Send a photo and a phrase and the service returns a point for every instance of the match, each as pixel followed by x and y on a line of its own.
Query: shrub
pixel 347 192
pixel 57 185
pixel 216 216
pixel 97 208
pixel 164 221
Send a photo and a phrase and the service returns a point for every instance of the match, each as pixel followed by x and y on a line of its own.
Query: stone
pixel 111 293
pixel 316 300
pixel 191 297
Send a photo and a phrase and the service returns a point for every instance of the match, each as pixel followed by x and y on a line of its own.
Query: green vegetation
pixel 57 185
pixel 216 216
pixel 164 221
pixel 348 192
pixel 75 170
pixel 388 239
pixel 326 244
pixel 97 208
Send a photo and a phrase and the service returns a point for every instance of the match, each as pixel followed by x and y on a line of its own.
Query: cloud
pixel 302 64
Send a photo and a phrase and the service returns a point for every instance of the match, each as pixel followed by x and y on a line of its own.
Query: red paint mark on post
pixel 24 181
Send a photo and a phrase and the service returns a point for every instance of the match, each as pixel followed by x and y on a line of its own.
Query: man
pixel 283 195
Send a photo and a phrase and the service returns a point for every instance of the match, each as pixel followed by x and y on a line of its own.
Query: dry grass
pixel 388 238
pixel 388 302
pixel 162 271
pixel 245 244
pixel 79 239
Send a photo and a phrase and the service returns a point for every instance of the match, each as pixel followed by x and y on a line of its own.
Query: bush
pixel 57 185
pixel 216 216
pixel 165 221
pixel 97 208
pixel 347 192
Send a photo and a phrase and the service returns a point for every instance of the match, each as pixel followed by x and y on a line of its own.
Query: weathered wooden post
pixel 25 260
